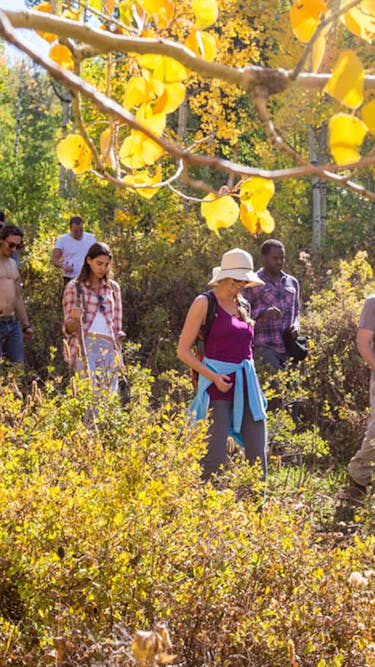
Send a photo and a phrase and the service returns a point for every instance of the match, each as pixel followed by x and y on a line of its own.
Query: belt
pixel 101 336
pixel 7 318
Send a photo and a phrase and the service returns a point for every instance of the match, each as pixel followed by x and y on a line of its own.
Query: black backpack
pixel 200 341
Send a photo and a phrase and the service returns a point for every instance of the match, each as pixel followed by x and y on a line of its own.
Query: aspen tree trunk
pixel 182 132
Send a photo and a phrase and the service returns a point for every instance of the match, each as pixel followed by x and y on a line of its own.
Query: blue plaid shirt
pixel 284 295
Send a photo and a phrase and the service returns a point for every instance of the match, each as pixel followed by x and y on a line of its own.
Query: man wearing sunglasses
pixel 14 325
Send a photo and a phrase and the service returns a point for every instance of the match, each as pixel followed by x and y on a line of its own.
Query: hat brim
pixel 250 277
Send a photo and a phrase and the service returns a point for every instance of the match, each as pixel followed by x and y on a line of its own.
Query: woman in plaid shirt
pixel 93 317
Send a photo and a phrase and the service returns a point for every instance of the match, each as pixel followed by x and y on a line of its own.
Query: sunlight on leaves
pixel 305 17
pixel 144 177
pixel 62 56
pixel 219 212
pixel 48 36
pixel 206 12
pixel 257 192
pixel 346 82
pixel 74 154
pixel 368 115
pixel 346 134
pixel 360 20
pixel 162 10
pixel 256 221
pixel 202 43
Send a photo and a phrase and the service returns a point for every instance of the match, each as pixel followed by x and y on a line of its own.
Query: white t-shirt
pixel 74 251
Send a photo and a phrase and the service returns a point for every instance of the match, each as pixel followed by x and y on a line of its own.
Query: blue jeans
pixel 11 340
pixel 101 363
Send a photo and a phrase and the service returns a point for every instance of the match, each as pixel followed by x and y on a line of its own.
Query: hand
pixel 223 382
pixel 272 313
pixel 121 336
pixel 293 331
pixel 68 268
pixel 76 313
pixel 28 332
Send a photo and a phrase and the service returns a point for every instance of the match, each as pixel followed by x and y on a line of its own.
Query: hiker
pixel 237 407
pixel 71 248
pixel 362 464
pixel 14 254
pixel 93 317
pixel 14 324
pixel 275 307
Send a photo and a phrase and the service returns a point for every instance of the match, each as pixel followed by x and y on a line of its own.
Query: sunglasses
pixel 101 303
pixel 14 246
pixel 239 282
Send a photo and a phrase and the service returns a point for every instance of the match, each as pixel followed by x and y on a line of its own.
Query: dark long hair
pixel 94 250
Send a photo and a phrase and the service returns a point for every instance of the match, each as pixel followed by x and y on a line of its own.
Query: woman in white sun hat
pixel 228 385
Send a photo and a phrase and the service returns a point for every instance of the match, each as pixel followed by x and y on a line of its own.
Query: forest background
pixel 106 533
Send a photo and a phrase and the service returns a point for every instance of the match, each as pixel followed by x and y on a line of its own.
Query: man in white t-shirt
pixel 71 249
pixel 362 465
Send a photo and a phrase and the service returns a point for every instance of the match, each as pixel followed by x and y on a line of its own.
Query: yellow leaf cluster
pixel 74 154
pixel 219 211
pixel 255 194
pixel 346 134
pixel 305 17
pixel 144 177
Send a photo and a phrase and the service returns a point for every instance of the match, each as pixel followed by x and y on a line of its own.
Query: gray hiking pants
pixel 362 464
pixel 254 437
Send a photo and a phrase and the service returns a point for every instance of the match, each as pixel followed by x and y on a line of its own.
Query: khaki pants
pixel 362 465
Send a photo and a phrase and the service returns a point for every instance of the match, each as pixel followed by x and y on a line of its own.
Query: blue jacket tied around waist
pixel 257 401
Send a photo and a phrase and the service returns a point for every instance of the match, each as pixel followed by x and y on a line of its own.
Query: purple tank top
pixel 230 339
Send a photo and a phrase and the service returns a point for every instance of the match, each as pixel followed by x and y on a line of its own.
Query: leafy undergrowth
pixel 106 528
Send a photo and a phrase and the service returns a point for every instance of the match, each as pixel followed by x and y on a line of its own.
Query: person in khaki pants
pixel 362 465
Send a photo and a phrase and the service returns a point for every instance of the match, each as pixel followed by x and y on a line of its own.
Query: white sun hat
pixel 237 264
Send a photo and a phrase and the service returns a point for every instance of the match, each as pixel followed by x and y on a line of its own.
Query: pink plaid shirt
pixel 111 307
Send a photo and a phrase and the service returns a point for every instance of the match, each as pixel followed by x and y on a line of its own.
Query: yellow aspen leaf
pixel 162 10
pixel 144 177
pixel 346 134
pixel 346 82
pixel 170 71
pixel 72 15
pixel 257 192
pixel 205 11
pixel 319 49
pixel 62 56
pixel 105 141
pixel 48 36
pixel 154 122
pixel 266 221
pixel 249 218
pixel 74 153
pixel 130 152
pixel 305 17
pixel 202 43
pixel 360 20
pixel 368 115
pixel 140 91
pixel 172 98
pixel 151 151
pixel 95 4
pixel 219 212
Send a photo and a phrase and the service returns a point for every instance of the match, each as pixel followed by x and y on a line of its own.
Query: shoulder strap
pixel 211 313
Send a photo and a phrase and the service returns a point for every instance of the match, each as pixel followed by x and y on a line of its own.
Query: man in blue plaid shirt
pixel 275 306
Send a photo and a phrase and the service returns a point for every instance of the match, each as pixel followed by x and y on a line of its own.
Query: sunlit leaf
pixel 48 36
pixel 62 56
pixel 154 122
pixel 346 134
pixel 206 12
pixel 140 91
pixel 144 177
pixel 74 154
pixel 360 20
pixel 130 152
pixel 202 43
pixel 172 98
pixel 319 49
pixel 219 212
pixel 305 16
pixel 368 115
pixel 151 151
pixel 346 82
pixel 249 218
pixel 170 71
pixel 257 192
pixel 73 15
pixel 162 10
pixel 95 4
pixel 266 221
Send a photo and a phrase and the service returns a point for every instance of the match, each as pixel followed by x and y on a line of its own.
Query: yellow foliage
pixel 346 134
pixel 256 221
pixel 305 18
pixel 219 212
pixel 346 82
pixel 138 151
pixel 144 177
pixel 368 115
pixel 360 20
pixel 74 154
pixel 164 68
pixel 162 10
pixel 202 43
pixel 257 192
pixel 142 91
pixel 62 56
pixel 319 49
pixel 206 12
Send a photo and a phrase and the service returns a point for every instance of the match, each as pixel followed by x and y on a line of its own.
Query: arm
pixel 295 326
pixel 72 312
pixel 117 315
pixel 365 339
pixel 21 313
pixel 57 260
pixel 194 320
